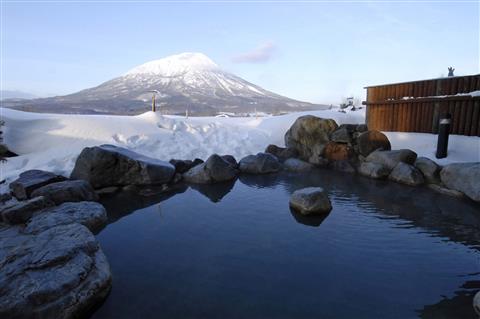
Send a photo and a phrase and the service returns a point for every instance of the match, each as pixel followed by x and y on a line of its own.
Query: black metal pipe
pixel 443 133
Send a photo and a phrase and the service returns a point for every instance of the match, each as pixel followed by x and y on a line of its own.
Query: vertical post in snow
pixel 153 103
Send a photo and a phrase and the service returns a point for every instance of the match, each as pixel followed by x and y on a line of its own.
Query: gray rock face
pixel 20 212
pixel 406 174
pixel 391 158
pixel 446 191
pixel 231 160
pixel 262 163
pixel 29 181
pixel 310 200
pixel 108 165
pixel 341 135
pixel 296 165
pixel 372 140
pixel 309 135
pixel 215 169
pixel 429 169
pixel 343 166
pixel 60 272
pixel 463 177
pixel 90 214
pixel 182 166
pixel 67 191
pixel 282 153
pixel 374 170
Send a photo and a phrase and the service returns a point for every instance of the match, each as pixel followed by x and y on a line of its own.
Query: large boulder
pixel 370 141
pixel 310 200
pixel 262 163
pixel 182 166
pixel 429 169
pixel 214 169
pixel 391 158
pixel 343 134
pixel 309 135
pixel 374 170
pixel 282 153
pixel 296 165
pixel 406 174
pixel 30 180
pixel 108 165
pixel 90 214
pixel 463 177
pixel 60 272
pixel 67 191
pixel 231 160
pixel 20 212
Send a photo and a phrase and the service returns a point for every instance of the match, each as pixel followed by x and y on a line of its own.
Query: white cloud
pixel 261 54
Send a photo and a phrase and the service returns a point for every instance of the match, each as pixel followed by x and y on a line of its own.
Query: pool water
pixel 235 250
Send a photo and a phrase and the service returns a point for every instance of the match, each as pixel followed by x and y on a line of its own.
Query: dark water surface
pixel 236 250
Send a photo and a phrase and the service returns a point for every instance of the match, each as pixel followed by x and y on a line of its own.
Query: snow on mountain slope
pixel 184 81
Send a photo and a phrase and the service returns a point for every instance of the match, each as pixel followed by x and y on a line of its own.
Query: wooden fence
pixel 417 106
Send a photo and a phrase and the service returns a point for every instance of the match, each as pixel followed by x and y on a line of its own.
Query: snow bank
pixel 53 141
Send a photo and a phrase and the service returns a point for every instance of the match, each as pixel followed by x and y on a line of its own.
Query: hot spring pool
pixel 235 250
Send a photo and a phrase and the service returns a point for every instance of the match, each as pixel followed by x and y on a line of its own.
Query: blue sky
pixel 318 52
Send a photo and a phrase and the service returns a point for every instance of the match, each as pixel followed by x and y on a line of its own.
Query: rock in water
pixel 406 174
pixel 463 177
pixel 309 135
pixel 58 273
pixel 90 214
pixel 372 140
pixel 67 191
pixel 310 200
pixel 391 158
pixel 231 160
pixel 214 170
pixel 338 152
pixel 20 212
pixel 476 303
pixel 108 165
pixel 29 181
pixel 296 165
pixel 374 170
pixel 282 153
pixel 429 169
pixel 262 163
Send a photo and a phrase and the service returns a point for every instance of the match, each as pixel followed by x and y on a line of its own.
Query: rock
pixel 181 166
pixel 446 191
pixel 29 181
pixel 60 272
pixel 372 140
pixel 90 214
pixel 309 135
pixel 296 165
pixel 318 161
pixel 476 303
pixel 108 165
pixel 337 152
pixel 310 200
pixel 341 135
pixel 343 166
pixel 176 178
pixel 282 153
pixel 262 163
pixel 391 158
pixel 463 177
pixel 214 170
pixel 429 169
pixel 231 160
pixel 374 170
pixel 406 174
pixel 20 212
pixel 350 128
pixel 4 197
pixel 67 191
pixel 197 161
pixel 361 128
pixel 107 190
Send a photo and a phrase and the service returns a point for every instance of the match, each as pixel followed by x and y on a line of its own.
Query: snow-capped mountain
pixel 184 81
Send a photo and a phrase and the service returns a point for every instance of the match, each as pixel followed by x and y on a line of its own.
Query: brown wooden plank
pixel 463 120
pixel 429 123
pixel 475 128
pixel 456 118
pixel 468 117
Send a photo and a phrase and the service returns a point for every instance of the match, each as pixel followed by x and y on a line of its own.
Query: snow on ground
pixel 53 141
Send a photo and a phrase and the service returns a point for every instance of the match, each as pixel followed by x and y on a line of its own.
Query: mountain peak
pixel 175 64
